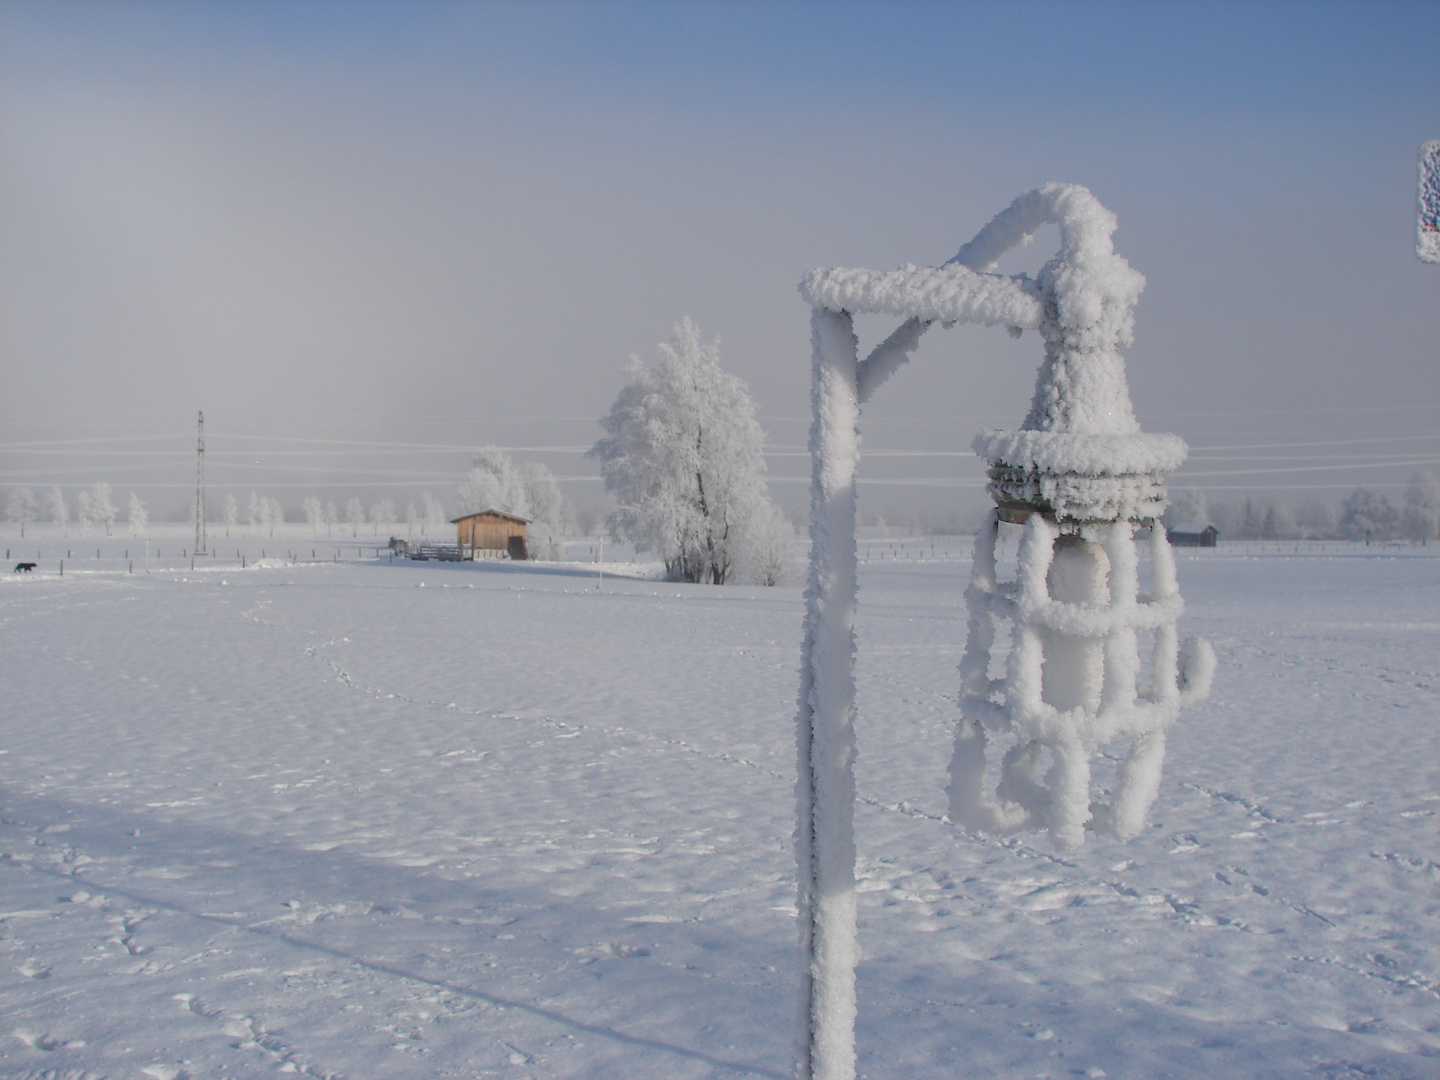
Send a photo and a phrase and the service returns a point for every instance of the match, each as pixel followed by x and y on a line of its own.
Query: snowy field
pixel 313 817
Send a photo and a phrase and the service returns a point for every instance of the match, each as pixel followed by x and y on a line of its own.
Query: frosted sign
pixel 1427 225
pixel 1080 481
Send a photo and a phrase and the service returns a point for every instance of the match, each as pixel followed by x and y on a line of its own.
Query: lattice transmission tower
pixel 200 485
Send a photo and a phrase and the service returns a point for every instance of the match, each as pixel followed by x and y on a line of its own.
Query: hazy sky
pixel 447 225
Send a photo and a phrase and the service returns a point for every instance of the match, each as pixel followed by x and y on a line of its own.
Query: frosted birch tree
pixel 1421 516
pixel 138 515
pixel 382 512
pixel 314 514
pixel 232 513
pixel 84 510
pixel 271 513
pixel 354 516
pixel 682 457
pixel 546 512
pixel 59 509
pixel 102 508
pixel 1253 523
pixel 491 484
pixel 432 513
pixel 21 507
pixel 769 556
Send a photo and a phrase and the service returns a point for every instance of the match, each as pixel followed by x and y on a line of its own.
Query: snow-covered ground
pixel 315 817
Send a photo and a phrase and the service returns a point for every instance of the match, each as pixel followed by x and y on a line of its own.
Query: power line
pixel 1310 468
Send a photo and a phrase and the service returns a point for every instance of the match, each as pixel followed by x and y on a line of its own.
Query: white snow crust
pixel 314 819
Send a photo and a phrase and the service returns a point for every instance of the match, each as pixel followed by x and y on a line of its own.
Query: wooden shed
pixel 491 530
pixel 1192 534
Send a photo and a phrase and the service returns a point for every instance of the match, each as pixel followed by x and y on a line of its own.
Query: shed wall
pixel 484 531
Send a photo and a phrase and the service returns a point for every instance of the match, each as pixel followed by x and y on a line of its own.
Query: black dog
pixel 24 567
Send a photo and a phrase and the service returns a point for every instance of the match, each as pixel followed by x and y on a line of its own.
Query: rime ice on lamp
pixel 1081 477
pixel 1073 616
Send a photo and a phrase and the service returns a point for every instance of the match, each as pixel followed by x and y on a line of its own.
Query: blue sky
pixel 455 222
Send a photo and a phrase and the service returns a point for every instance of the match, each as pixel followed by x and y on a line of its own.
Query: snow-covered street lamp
pixel 1080 478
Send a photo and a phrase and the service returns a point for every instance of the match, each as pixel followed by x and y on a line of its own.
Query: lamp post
pixel 1080 477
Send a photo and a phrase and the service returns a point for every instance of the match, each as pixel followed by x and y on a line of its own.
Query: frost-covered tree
pixel 314 514
pixel 232 513
pixel 491 484
pixel 1280 523
pixel 432 512
pixel 1316 520
pixel 529 491
pixel 1252 526
pixel 770 547
pixel 254 511
pixel 332 515
pixel 1367 514
pixel 682 457
pixel 585 520
pixel 382 513
pixel 1187 507
pixel 1422 507
pixel 102 509
pixel 1227 517
pixel 544 535
pixel 271 513
pixel 354 516
pixel 412 518
pixel 59 509
pixel 84 510
pixel 21 507
pixel 137 515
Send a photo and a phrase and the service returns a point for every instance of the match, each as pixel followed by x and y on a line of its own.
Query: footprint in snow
pixel 624 952
pixel 31 970
pixel 37 1040
pixel 164 1072
pixel 191 1003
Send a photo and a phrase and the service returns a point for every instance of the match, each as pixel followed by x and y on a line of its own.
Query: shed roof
pixel 1191 527
pixel 490 513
